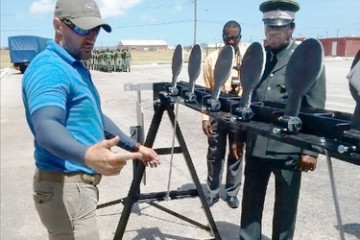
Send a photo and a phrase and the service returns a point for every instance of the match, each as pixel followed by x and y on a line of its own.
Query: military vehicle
pixel 24 48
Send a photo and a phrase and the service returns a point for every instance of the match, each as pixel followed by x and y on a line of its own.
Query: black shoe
pixel 233 202
pixel 211 200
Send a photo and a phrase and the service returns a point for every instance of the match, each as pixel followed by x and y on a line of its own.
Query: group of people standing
pixel 109 60
pixel 73 138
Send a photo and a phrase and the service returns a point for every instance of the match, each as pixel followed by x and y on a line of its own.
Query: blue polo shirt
pixel 55 79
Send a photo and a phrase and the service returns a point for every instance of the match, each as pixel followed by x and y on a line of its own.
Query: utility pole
pixel 195 20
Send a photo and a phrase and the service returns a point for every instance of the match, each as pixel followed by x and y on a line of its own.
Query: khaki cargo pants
pixel 67 208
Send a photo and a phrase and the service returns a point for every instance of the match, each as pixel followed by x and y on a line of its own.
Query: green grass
pixel 137 58
pixel 5 59
pixel 141 58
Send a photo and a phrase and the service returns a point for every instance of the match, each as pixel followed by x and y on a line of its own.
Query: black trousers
pixel 287 187
pixel 216 158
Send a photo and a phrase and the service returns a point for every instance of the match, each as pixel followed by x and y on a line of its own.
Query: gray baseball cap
pixel 85 14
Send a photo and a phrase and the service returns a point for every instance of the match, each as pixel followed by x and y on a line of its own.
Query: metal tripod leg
pixel 139 172
pixel 335 196
pixel 133 195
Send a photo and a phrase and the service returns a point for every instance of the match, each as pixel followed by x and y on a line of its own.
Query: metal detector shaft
pixel 172 150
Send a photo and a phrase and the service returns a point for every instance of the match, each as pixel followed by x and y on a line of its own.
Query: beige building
pixel 143 45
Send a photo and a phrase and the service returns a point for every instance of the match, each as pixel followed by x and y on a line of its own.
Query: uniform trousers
pixel 287 186
pixel 68 209
pixel 216 158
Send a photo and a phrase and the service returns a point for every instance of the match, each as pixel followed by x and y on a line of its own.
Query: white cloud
pixel 42 7
pixel 146 18
pixel 178 7
pixel 20 16
pixel 113 8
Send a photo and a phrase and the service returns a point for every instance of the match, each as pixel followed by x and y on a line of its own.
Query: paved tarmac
pixel 316 219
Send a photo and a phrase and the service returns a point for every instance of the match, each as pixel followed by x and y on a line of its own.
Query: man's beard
pixel 277 41
pixel 76 52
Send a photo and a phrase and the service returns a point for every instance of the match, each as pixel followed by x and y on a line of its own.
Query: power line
pixel 154 24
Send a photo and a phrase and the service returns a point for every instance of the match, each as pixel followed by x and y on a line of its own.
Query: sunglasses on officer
pixel 80 31
pixel 227 38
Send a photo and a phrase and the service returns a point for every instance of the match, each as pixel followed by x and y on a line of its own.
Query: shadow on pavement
pixel 155 233
pixel 352 228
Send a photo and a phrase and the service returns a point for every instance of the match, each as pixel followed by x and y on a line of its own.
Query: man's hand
pixel 206 127
pixel 100 157
pixel 236 150
pixel 306 163
pixel 149 156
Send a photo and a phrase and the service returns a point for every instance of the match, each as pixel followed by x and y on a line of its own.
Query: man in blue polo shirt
pixel 72 136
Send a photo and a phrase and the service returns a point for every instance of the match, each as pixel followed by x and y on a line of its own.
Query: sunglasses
pixel 80 31
pixel 231 37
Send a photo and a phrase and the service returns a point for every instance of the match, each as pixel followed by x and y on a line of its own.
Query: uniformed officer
pixel 123 60
pixel 108 56
pixel 128 60
pixel 117 60
pixel 265 156
pixel 96 60
pixel 101 60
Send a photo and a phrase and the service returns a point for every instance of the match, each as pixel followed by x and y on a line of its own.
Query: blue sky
pixel 173 20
